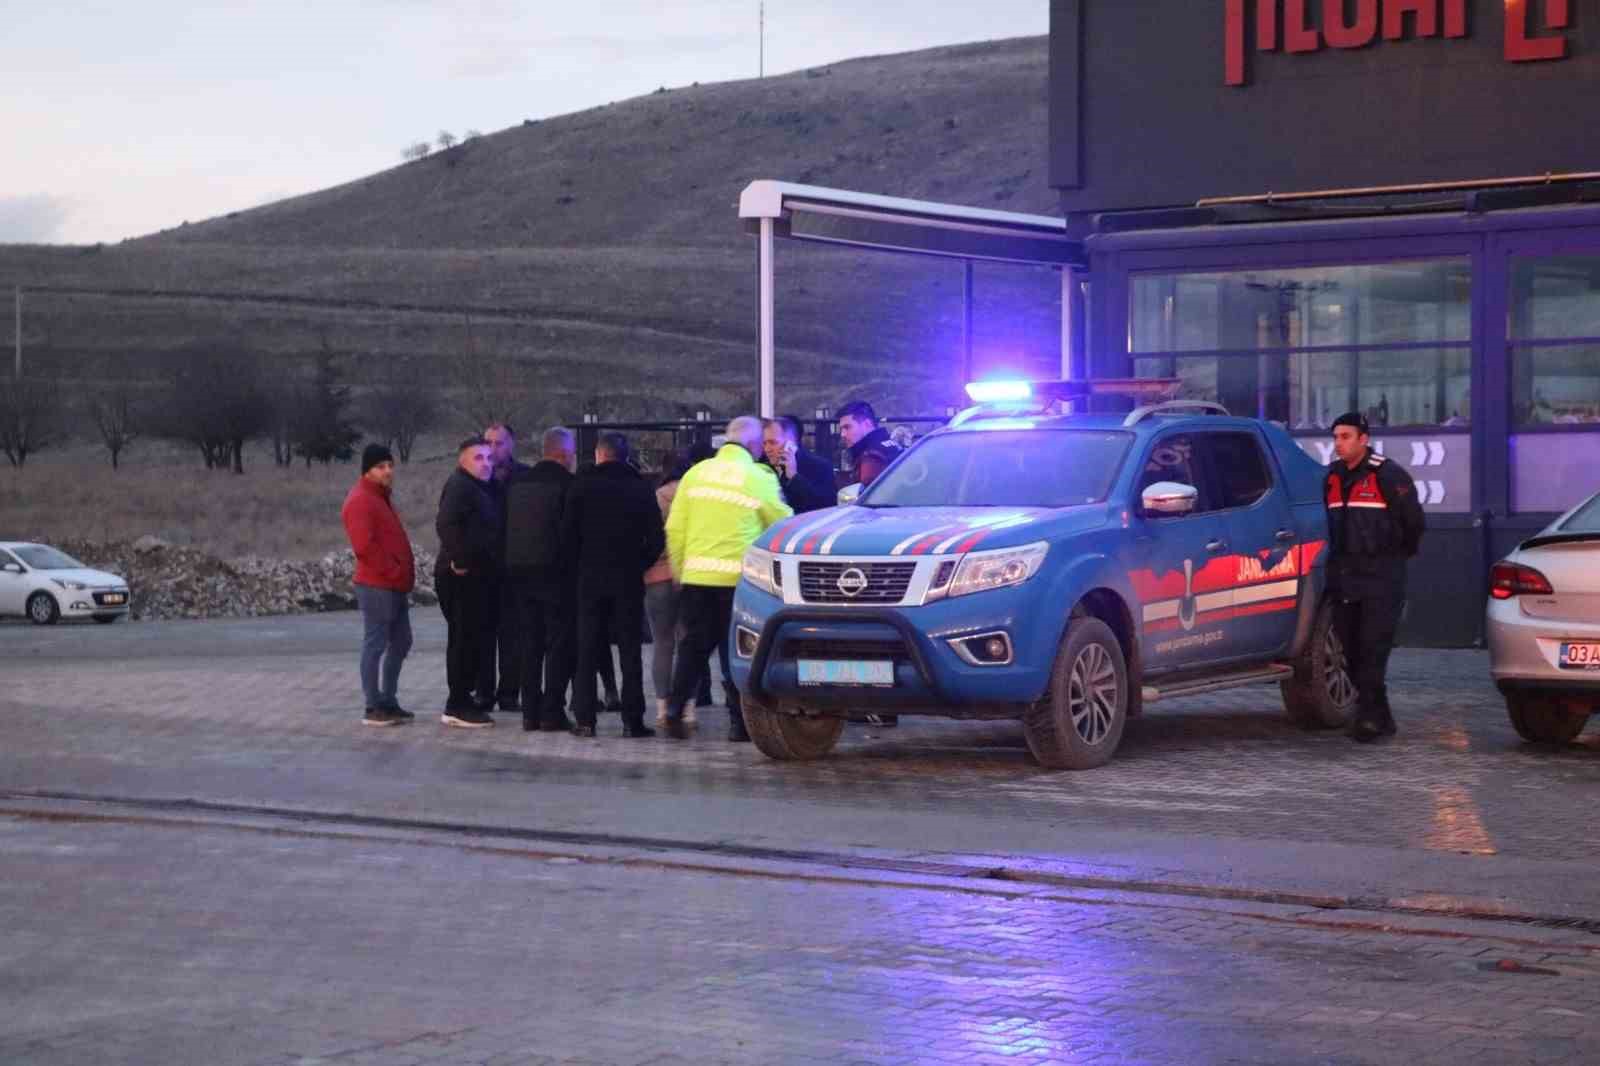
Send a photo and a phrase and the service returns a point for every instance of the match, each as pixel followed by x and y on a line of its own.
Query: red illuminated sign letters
pixel 1302 26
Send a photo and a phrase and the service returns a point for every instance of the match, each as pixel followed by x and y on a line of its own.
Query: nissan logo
pixel 853 582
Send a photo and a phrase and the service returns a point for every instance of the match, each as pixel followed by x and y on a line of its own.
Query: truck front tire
pixel 1079 723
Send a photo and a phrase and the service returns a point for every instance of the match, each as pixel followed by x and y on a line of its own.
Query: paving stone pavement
pixel 172 945
pixel 228 705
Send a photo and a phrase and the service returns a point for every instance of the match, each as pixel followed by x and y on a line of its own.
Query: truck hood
pixel 854 530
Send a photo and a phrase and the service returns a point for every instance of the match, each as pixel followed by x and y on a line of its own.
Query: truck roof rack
pixel 1172 407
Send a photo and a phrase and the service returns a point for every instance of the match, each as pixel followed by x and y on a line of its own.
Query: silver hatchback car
pixel 1544 627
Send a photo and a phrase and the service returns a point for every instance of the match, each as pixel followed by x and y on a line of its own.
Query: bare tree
pixel 217 402
pixel 492 389
pixel 472 135
pixel 399 409
pixel 446 140
pixel 416 151
pixel 113 412
pixel 30 417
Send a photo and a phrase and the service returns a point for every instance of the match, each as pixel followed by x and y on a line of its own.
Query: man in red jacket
pixel 385 574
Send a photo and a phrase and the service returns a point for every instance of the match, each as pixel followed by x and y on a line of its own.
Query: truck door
pixel 1181 587
pixel 1251 497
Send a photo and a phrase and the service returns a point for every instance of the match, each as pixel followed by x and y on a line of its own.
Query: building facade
pixel 1299 208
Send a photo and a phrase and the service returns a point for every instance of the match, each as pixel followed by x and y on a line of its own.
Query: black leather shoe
pixel 636 732
pixel 583 730
pixel 1365 730
pixel 677 728
pixel 562 724
pixel 530 724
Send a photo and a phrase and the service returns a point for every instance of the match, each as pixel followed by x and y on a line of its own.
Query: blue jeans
pixel 387 618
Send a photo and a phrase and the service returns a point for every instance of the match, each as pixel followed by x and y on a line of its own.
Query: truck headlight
pixel 761 570
pixel 982 571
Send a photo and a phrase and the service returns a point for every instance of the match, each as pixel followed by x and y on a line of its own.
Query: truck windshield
pixel 1003 468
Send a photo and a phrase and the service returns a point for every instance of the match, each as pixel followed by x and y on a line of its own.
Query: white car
pixel 46 585
pixel 1544 627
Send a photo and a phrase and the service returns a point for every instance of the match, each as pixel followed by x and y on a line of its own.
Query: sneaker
pixel 397 711
pixel 467 719
pixel 688 715
pixel 678 728
pixel 380 716
pixel 883 721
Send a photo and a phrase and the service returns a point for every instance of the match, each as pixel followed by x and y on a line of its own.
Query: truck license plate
pixel 876 672
pixel 1580 656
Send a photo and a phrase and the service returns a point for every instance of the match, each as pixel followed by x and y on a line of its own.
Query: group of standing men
pixel 544 567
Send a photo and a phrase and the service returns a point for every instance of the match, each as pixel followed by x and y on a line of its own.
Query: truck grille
pixel 878 582
pixel 812 648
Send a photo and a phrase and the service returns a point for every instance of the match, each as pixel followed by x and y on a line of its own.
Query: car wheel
pixel 789 737
pixel 106 619
pixel 43 609
pixel 1321 694
pixel 1543 719
pixel 1079 723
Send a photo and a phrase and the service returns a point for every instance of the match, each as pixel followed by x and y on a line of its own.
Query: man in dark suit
pixel 805 478
pixel 541 573
pixel 613 531
pixel 464 576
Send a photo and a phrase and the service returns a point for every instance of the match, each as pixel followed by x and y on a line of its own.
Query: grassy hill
pixel 595 259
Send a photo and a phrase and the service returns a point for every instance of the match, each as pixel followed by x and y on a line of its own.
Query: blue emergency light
pixel 999 391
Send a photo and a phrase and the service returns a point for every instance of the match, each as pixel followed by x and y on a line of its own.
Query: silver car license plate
pixel 1580 656
pixel 874 672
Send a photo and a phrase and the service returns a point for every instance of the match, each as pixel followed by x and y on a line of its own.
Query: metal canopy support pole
pixel 1069 279
pixel 768 357
pixel 966 327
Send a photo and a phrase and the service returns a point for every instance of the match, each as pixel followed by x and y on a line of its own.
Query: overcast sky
pixel 118 119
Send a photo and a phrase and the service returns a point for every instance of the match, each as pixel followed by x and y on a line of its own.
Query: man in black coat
pixel 612 529
pixel 465 575
pixel 506 636
pixel 805 478
pixel 541 573
pixel 870 445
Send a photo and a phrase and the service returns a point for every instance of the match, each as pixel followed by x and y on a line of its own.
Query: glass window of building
pixel 1302 345
pixel 1555 340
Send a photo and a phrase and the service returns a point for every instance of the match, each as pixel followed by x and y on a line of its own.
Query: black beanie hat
pixel 1354 419
pixel 374 454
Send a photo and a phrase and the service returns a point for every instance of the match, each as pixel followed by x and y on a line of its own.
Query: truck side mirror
pixel 1169 498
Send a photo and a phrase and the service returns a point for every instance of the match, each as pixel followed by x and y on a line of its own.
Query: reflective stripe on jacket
pixel 721 507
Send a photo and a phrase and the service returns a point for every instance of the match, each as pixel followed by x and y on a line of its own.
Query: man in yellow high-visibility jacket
pixel 721 507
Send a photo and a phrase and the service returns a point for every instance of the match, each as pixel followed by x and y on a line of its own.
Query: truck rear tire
pixel 1321 695
pixel 790 737
pixel 1079 723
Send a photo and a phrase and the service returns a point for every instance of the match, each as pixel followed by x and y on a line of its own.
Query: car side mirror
pixel 11 568
pixel 1169 498
pixel 850 493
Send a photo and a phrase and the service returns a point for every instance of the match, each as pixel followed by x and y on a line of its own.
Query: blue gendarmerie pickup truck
pixel 1062 569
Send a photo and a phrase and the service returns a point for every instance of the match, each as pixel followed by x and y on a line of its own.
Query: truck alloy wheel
pixel 1079 723
pixel 1321 694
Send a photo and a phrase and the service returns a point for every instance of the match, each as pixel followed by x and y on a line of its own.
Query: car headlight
pixel 75 586
pixel 982 571
pixel 761 570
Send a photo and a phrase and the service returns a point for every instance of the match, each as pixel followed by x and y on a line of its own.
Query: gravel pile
pixel 168 581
